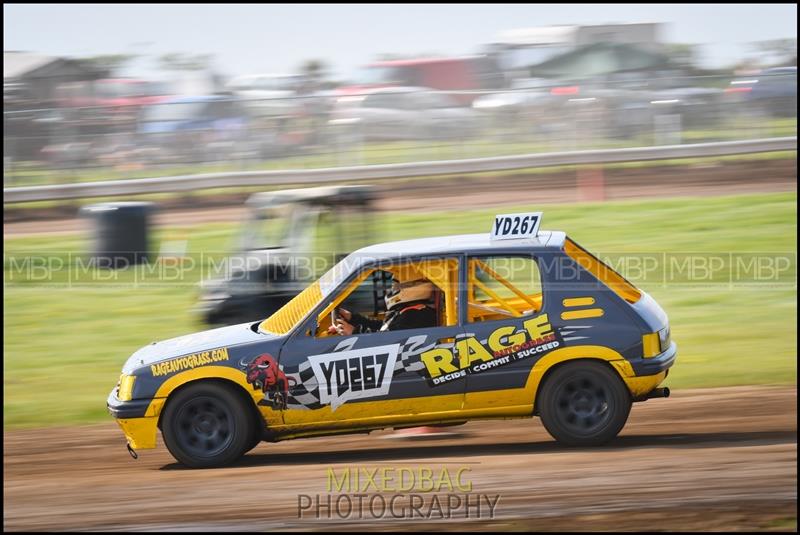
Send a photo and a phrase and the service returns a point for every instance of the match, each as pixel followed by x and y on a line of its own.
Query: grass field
pixel 64 344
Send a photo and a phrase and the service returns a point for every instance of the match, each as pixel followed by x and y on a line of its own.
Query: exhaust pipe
pixel 658 393
pixel 132 451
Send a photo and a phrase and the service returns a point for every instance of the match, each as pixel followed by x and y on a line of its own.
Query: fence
pixel 375 172
pixel 188 136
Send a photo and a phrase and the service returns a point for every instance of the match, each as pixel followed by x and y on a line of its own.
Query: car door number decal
pixel 356 374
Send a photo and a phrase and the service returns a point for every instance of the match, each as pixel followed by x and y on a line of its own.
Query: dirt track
pixel 714 459
pixel 473 192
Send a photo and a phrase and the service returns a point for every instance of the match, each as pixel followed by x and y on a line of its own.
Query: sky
pixel 278 38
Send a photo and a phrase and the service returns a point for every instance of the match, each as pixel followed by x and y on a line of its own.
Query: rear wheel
pixel 207 425
pixel 584 404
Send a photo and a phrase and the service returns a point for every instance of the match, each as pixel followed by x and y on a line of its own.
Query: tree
pixel 682 55
pixel 315 71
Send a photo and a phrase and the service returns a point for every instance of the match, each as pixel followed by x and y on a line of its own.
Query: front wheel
pixel 584 404
pixel 206 425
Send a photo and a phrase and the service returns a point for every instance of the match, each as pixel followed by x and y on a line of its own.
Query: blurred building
pixel 522 48
pixel 645 35
pixel 601 59
pixel 457 73
pixel 41 74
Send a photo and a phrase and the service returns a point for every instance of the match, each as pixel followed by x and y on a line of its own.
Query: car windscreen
pixel 268 229
pixel 285 319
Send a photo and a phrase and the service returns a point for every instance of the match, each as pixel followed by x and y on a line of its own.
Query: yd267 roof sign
pixel 516 226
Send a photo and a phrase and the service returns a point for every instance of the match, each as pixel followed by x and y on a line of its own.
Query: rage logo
pixel 264 373
pixel 506 344
pixel 354 374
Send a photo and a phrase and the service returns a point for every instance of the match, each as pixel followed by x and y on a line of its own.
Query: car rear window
pixel 602 272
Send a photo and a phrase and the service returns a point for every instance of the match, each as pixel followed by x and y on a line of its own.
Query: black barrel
pixel 120 232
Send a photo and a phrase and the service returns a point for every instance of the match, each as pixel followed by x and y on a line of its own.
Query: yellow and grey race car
pixel 517 322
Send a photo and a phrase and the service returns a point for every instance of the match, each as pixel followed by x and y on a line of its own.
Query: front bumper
pixel 138 419
pixel 136 408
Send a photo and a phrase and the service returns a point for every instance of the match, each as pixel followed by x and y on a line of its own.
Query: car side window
pixel 500 287
pixel 420 294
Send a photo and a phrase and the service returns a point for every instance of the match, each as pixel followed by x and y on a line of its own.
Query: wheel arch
pixel 544 367
pixel 558 365
pixel 224 376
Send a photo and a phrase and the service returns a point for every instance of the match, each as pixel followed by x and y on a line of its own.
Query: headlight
pixel 125 389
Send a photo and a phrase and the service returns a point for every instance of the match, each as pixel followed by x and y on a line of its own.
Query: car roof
pixel 461 243
pixel 442 245
pixel 271 198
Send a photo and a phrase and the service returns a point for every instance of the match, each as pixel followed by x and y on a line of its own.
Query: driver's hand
pixel 341 328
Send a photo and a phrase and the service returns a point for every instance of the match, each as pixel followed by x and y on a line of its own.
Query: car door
pixel 376 377
pixel 507 329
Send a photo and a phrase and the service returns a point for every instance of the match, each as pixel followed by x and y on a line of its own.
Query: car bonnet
pixel 193 343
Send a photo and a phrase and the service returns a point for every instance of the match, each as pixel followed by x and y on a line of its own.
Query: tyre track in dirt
pixel 722 458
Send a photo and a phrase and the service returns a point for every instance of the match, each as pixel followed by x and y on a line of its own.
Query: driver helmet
pixel 403 292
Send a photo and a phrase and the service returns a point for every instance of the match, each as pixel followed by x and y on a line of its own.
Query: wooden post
pixel 591 183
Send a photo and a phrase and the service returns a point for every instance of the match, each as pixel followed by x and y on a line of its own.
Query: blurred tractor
pixel 288 239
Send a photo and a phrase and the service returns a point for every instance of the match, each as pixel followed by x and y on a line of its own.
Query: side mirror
pixel 312 330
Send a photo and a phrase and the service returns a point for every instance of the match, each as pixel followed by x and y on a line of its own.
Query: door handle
pixel 448 340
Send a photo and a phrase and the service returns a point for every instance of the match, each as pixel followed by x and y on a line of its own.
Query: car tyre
pixel 256 433
pixel 584 404
pixel 207 425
